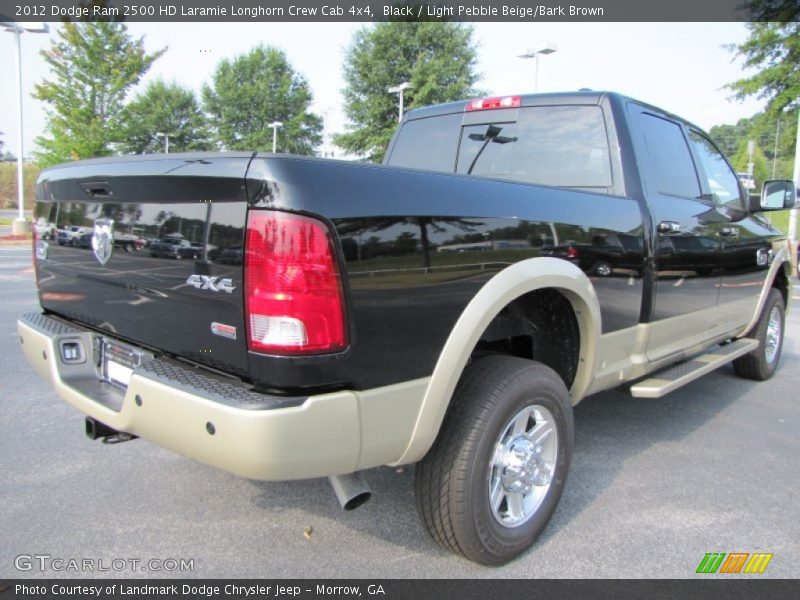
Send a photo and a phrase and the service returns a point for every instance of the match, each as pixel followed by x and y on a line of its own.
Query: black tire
pixel 757 365
pixel 453 480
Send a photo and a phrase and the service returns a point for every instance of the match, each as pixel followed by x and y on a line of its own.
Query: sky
pixel 680 67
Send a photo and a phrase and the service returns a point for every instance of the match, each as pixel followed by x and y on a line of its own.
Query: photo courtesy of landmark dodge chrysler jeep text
pixel 448 308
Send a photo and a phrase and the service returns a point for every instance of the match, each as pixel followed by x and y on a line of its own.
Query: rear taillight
pixel 491 103
pixel 572 252
pixel 293 291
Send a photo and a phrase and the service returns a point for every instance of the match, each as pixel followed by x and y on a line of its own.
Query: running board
pixel 674 377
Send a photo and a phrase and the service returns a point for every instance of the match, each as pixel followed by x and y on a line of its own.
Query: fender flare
pixel 502 289
pixel 781 258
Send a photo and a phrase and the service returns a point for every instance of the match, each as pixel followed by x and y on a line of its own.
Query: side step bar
pixel 672 378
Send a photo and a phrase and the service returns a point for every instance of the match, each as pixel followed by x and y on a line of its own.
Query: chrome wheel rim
pixel 522 466
pixel 603 269
pixel 773 337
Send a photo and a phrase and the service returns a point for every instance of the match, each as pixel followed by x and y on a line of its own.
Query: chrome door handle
pixel 669 227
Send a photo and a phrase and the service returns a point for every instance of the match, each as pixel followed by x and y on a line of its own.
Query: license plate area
pixel 117 362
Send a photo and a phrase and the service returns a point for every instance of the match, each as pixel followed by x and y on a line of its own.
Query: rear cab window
pixel 559 146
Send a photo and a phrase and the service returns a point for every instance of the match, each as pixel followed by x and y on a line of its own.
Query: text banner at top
pixel 263 11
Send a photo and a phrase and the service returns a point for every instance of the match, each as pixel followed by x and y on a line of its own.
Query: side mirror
pixel 778 194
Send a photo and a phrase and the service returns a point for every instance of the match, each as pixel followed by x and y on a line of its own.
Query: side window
pixel 722 180
pixel 429 144
pixel 672 165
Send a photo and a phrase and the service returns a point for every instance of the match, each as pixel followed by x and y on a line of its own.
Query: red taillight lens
pixel 490 103
pixel 293 291
pixel 572 252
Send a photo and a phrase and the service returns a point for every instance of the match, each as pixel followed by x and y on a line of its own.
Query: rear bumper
pixel 200 416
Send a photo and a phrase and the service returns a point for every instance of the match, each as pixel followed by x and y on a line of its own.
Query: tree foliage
pixel 762 129
pixel 437 58
pixel 761 166
pixel 772 49
pixel 251 91
pixel 164 108
pixel 93 67
pixel 772 52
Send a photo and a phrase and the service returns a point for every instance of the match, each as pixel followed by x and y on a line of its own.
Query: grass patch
pixel 779 220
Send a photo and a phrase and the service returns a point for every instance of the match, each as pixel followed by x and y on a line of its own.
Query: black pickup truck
pixel 341 339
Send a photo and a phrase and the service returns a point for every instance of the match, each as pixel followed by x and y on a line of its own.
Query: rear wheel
pixel 494 476
pixel 761 363
pixel 602 268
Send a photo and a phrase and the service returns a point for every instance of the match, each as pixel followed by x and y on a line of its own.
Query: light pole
pixel 17 29
pixel 166 140
pixel 399 89
pixel 548 48
pixel 274 126
pixel 775 149
pixel 796 177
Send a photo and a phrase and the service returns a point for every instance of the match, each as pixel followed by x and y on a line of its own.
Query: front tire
pixel 492 480
pixel 761 363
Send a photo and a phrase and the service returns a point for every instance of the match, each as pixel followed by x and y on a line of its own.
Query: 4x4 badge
pixel 103 239
pixel 215 284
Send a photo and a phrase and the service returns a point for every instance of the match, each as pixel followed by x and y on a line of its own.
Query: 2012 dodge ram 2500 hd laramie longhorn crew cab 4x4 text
pixel 354 315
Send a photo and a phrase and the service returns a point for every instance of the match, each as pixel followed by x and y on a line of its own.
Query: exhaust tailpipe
pixel 351 490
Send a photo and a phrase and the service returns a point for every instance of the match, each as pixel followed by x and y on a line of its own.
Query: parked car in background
pixel 84 241
pixel 70 236
pixel 128 242
pixel 173 247
pixel 232 256
pixel 603 255
pixel 45 230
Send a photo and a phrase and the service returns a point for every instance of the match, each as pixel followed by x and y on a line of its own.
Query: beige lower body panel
pixel 635 352
pixel 329 434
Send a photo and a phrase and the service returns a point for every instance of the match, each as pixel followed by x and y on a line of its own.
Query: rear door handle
pixel 729 231
pixel 669 227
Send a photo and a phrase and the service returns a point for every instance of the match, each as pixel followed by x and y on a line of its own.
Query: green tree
pixel 763 129
pixel 437 58
pixel 729 137
pixel 251 91
pixel 164 108
pixel 772 50
pixel 93 67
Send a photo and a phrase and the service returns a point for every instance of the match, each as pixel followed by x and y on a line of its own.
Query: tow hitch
pixel 97 430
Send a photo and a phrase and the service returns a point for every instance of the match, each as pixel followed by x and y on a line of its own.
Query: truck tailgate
pixel 189 304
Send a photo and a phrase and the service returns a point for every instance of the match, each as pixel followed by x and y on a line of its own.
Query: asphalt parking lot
pixel 654 485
